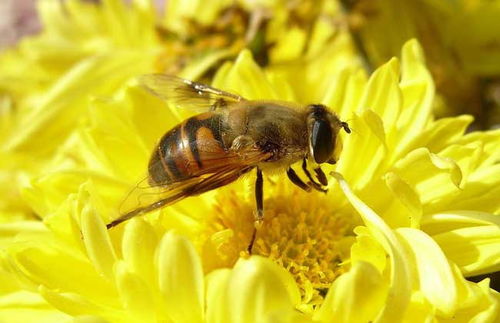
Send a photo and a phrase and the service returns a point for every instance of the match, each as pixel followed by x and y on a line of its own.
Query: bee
pixel 232 137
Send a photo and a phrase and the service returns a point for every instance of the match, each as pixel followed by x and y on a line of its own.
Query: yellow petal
pixel 246 76
pixel 60 107
pixel 180 278
pixel 417 87
pixel 12 229
pixel 138 246
pixel 475 249
pixel 335 95
pixel 477 302
pixel 479 193
pixel 110 134
pixel 406 208
pixel 382 93
pixel 420 310
pixel 354 91
pixel 435 275
pixel 74 304
pixel 217 282
pixel 399 291
pixel 136 297
pixel 443 132
pixel 451 220
pixel 199 66
pixel 178 12
pixel 289 46
pixel 468 157
pixel 257 290
pixel 97 242
pixel 357 296
pixel 27 307
pixel 431 175
pixel 150 115
pixel 364 151
pixel 490 301
pixel 490 141
pixel 44 267
pixel 129 25
pixel 367 249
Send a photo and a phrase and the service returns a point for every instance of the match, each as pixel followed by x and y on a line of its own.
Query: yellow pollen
pixel 301 232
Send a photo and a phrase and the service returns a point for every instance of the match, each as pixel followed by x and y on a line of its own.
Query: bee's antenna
pixel 345 126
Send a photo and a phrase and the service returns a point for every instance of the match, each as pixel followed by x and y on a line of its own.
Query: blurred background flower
pixel 460 40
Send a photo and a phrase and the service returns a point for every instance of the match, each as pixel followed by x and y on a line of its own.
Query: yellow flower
pixel 459 39
pixel 48 77
pixel 392 242
pixel 152 277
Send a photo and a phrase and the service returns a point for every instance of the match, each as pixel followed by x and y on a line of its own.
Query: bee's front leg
pixel 321 176
pixel 317 186
pixel 294 178
pixel 259 201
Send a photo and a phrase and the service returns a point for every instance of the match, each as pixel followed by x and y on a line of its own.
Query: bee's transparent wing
pixel 185 93
pixel 223 169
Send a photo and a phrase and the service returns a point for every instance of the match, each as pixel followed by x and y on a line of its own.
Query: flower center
pixel 301 232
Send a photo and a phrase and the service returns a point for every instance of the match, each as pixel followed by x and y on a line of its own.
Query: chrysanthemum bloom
pixel 413 210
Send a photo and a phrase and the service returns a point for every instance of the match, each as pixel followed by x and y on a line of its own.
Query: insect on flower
pixel 232 137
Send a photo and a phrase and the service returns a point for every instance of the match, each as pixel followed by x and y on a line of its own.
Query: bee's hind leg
pixel 259 201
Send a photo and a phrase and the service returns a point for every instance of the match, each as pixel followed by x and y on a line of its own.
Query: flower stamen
pixel 300 232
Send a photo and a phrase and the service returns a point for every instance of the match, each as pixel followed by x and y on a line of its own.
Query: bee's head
pixel 323 127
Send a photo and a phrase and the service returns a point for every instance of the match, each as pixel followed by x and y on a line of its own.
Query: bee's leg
pixel 292 175
pixel 314 184
pixel 321 176
pixel 259 199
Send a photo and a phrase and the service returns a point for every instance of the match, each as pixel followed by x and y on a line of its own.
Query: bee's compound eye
pixel 322 141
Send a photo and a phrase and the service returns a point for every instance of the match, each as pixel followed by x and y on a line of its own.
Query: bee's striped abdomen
pixel 187 150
